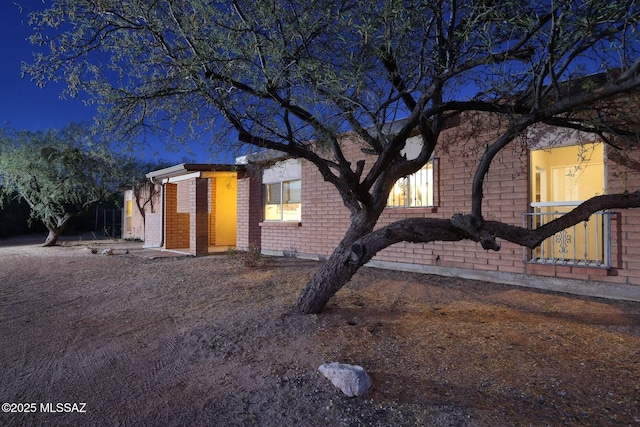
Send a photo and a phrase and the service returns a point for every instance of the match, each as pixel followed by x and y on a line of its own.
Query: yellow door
pixel 226 209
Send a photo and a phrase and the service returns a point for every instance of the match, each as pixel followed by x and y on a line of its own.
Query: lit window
pixel 129 218
pixel 414 190
pixel 282 201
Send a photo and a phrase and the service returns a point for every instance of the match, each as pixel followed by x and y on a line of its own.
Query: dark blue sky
pixel 25 106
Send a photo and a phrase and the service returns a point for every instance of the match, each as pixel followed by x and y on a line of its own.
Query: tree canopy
pixel 282 74
pixel 60 174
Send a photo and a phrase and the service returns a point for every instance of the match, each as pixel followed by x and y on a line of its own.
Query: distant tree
pixel 282 74
pixel 60 174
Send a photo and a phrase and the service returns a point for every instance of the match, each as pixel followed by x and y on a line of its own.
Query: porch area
pixel 200 208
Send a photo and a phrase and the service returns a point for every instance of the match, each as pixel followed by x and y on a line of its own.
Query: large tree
pixel 282 74
pixel 60 174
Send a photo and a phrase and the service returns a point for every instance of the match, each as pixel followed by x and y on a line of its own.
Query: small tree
pixel 59 174
pixel 281 74
pixel 145 192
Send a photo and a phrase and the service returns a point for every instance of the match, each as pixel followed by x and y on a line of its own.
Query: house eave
pixel 188 168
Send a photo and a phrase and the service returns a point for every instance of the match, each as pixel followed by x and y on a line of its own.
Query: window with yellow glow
pixel 414 190
pixel 561 179
pixel 282 201
pixel 129 214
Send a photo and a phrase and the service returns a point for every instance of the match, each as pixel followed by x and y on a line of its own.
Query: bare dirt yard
pixel 138 340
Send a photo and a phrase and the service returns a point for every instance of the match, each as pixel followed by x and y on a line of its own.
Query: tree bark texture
pixel 333 275
pixel 52 237
pixel 56 226
pixel 337 270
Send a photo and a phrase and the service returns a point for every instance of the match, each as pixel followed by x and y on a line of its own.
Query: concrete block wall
pixel 153 230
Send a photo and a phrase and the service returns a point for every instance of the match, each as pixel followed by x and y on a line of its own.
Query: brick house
pixel 287 209
pixel 284 207
pixel 196 209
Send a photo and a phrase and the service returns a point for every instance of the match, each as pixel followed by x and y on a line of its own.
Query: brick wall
pixel 324 221
pixel 131 226
pixel 623 174
pixel 506 197
pixel 242 229
pixel 506 190
pixel 249 214
pixel 182 240
pixel 137 225
pixel 177 215
pixel 171 216
pixel 199 215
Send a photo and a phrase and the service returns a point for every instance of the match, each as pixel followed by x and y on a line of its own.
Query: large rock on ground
pixel 352 380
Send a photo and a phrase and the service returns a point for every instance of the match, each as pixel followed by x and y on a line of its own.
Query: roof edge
pixel 184 168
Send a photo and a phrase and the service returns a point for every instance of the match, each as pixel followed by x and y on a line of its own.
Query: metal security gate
pixel 109 222
pixel 587 243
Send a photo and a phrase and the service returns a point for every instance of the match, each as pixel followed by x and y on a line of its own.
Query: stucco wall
pixel 138 227
pixel 153 230
pixel 132 225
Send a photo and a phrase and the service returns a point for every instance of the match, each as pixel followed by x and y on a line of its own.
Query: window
pixel 561 178
pixel 282 201
pixel 414 190
pixel 129 215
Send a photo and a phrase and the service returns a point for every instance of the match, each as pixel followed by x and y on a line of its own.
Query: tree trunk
pixel 336 271
pixel 333 275
pixel 52 237
pixel 56 226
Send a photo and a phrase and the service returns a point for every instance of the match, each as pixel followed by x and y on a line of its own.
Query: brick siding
pixel 506 188
pixel 248 233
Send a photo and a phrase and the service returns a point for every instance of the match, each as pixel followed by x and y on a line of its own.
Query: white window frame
pixel 282 203
pixel 283 172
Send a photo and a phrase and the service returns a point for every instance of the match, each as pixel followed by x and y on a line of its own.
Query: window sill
pixel 280 224
pixel 567 270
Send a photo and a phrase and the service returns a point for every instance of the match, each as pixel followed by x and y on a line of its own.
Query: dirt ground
pixel 142 340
